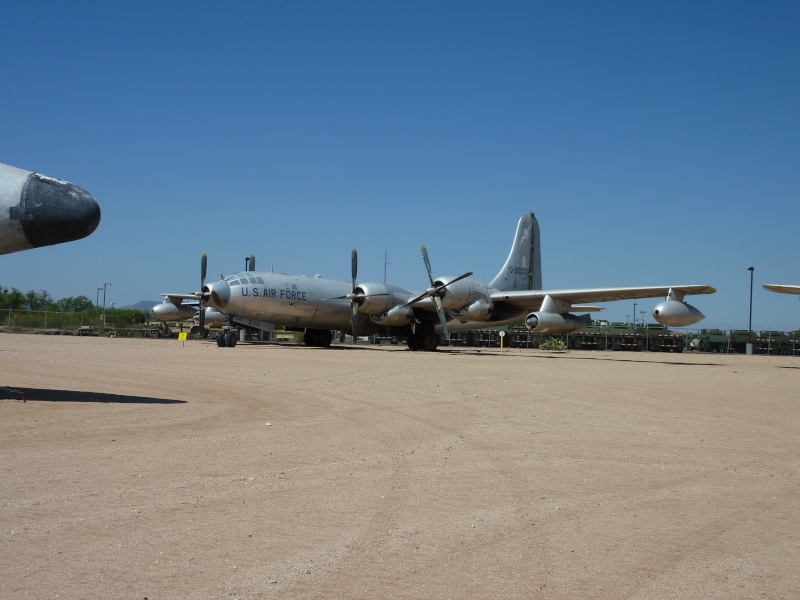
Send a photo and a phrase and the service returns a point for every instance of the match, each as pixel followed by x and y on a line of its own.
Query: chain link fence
pixel 112 323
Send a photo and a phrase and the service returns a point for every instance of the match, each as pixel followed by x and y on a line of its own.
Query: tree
pixel 13 299
pixel 39 300
pixel 71 304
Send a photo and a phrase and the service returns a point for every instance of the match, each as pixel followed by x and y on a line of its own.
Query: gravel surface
pixel 157 469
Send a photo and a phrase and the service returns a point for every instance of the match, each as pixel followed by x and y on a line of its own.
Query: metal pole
pixel 750 321
pixel 103 326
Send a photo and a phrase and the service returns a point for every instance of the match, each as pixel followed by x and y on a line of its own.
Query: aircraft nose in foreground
pixel 42 211
pixel 57 211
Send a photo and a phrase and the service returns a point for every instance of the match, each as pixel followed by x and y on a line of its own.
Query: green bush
pixel 553 344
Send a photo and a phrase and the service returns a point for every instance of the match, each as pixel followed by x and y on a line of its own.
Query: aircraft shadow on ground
pixel 39 395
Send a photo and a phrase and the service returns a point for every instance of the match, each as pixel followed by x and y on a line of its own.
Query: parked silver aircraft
pixel 175 309
pixel 36 210
pixel 783 289
pixel 515 296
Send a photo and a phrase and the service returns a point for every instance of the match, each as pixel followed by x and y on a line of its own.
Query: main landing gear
pixel 424 338
pixel 320 338
pixel 226 339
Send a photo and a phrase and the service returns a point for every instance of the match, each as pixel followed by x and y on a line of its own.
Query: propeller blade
pixel 355 323
pixel 201 316
pixel 442 319
pixel 354 266
pixel 427 263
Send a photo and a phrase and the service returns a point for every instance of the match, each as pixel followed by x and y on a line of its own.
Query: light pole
pixel 103 328
pixel 750 321
pixel 634 315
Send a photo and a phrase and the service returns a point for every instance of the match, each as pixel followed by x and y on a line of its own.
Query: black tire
pixel 429 341
pixel 325 338
pixel 230 339
pixel 221 339
pixel 412 342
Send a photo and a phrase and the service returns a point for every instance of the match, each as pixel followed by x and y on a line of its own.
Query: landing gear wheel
pixel 412 342
pixel 319 338
pixel 230 339
pixel 429 341
pixel 325 338
pixel 221 339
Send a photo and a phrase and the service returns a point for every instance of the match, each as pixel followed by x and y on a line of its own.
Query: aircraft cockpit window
pixel 252 280
pixel 260 280
pixel 237 279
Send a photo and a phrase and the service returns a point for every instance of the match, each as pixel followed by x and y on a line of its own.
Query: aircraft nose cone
pixel 55 211
pixel 220 293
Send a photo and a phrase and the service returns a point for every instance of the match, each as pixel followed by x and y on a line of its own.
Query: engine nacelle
pixel 213 318
pixel 458 295
pixel 477 311
pixel 399 315
pixel 554 322
pixel 169 311
pixel 374 298
pixel 674 313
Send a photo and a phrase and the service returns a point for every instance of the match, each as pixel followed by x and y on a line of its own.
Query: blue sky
pixel 657 142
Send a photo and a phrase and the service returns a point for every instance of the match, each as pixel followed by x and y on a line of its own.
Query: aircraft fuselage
pixel 292 300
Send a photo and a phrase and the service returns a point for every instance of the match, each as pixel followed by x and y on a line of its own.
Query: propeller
pixel 201 317
pixel 354 301
pixel 436 291
pixel 356 298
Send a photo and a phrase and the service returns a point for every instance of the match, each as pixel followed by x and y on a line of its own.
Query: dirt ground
pixel 156 469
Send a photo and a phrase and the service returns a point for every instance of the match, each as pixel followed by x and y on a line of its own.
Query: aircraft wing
pixel 783 289
pixel 532 299
pixel 176 298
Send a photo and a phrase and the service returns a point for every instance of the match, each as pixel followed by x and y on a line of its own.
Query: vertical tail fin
pixel 523 268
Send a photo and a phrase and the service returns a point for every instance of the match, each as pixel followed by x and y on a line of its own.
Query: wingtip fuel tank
pixel 37 210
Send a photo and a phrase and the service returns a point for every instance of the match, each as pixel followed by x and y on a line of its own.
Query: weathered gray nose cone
pixel 36 210
pixel 53 211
